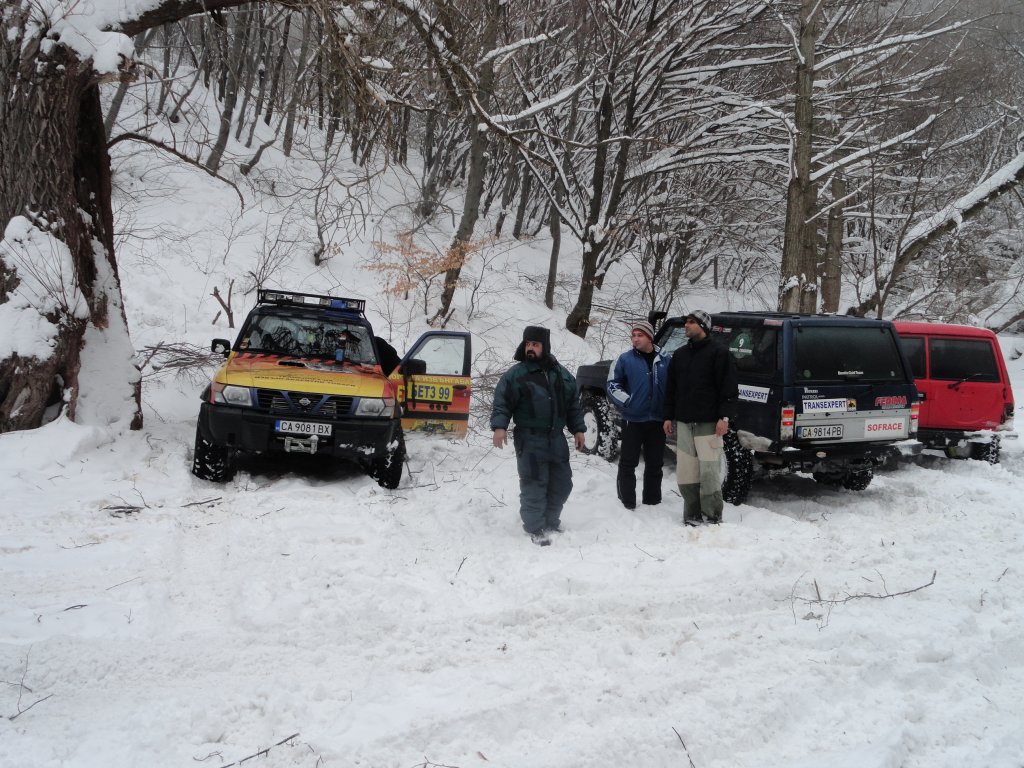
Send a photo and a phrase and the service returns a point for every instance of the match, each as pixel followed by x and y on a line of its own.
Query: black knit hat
pixel 534 333
pixel 701 318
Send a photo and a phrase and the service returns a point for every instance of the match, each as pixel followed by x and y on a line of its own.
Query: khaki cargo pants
pixel 698 470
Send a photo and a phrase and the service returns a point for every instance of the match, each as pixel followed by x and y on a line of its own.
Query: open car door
pixel 434 384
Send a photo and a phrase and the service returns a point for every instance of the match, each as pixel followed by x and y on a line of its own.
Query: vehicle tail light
pixel 786 426
pixel 1007 412
pixel 915 417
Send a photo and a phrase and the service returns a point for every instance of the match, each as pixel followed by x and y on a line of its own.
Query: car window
pixel 836 353
pixel 307 336
pixel 443 355
pixel 755 350
pixel 672 339
pixel 962 359
pixel 913 347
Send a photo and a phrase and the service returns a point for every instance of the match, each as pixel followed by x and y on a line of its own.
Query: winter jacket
pixel 538 395
pixel 701 384
pixel 636 390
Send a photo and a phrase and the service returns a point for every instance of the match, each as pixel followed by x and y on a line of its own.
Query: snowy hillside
pixel 148 618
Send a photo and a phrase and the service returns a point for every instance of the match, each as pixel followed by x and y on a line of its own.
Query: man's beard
pixel 530 353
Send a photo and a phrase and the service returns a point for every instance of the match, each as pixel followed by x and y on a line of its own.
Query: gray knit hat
pixel 643 325
pixel 702 318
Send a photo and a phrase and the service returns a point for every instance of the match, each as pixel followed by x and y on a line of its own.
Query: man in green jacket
pixel 540 395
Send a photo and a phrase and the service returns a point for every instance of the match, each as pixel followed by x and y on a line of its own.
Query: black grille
pixel 325 406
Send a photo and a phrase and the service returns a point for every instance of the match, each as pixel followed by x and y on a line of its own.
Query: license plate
pixel 438 393
pixel 302 427
pixel 825 431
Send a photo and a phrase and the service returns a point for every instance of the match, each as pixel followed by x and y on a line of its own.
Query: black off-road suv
pixel 830 395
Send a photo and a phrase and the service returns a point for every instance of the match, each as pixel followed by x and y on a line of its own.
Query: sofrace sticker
pixel 836 404
pixel 885 428
pixel 754 394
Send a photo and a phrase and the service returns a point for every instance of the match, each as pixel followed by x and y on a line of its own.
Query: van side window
pixel 958 359
pixel 753 349
pixel 914 349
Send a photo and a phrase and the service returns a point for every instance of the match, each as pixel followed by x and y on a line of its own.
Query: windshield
pixel 834 353
pixel 307 336
pixel 672 338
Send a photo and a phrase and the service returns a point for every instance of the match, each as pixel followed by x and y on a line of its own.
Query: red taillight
pixel 915 417
pixel 786 423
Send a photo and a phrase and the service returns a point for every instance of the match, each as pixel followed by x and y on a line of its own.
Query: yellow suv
pixel 307 375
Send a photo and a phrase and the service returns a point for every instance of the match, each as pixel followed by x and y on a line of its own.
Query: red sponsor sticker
pixel 891 401
pixel 884 426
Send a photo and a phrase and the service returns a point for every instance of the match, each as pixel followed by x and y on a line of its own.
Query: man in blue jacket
pixel 540 395
pixel 636 387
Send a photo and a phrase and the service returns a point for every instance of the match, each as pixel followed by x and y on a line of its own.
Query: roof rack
pixel 269 296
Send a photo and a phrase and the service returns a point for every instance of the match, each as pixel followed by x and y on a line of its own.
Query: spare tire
pixel 601 437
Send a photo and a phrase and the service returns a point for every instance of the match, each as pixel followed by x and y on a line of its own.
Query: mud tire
pixel 387 470
pixel 738 469
pixel 859 480
pixel 211 461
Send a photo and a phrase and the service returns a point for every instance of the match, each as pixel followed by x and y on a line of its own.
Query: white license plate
pixel 302 427
pixel 825 431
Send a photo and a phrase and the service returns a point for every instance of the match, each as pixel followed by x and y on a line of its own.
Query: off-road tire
pixel 738 472
pixel 859 480
pixel 211 461
pixel 988 452
pixel 387 470
pixel 601 437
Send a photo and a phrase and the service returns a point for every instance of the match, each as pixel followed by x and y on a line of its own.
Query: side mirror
pixel 414 367
pixel 221 346
pixel 656 317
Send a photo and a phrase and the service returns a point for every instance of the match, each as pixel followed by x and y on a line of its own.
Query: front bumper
pixel 253 432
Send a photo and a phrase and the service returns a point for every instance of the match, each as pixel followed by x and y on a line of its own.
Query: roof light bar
pixel 267 296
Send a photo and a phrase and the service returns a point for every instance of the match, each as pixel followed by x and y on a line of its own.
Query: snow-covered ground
pixel 161 620
pixel 148 618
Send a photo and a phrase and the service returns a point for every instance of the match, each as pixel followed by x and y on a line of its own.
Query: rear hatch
pixel 848 383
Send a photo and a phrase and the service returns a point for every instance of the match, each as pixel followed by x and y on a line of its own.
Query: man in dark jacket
pixel 636 387
pixel 700 402
pixel 540 396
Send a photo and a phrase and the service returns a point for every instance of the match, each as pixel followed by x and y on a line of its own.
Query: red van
pixel 966 403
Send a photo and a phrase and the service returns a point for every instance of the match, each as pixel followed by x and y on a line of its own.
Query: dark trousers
pixel 648 438
pixel 545 477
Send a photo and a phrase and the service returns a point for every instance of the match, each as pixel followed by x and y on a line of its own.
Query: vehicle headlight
pixel 376 406
pixel 230 395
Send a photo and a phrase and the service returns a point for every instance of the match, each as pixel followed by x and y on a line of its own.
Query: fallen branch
pixel 659 559
pixel 865 595
pixel 22 687
pixel 261 753
pixel 202 501
pixel 20 711
pixel 684 747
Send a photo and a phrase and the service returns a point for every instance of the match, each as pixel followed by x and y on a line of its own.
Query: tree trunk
pixel 55 173
pixel 231 66
pixel 457 252
pixel 57 266
pixel 798 290
pixel 831 274
pixel 525 190
pixel 555 229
